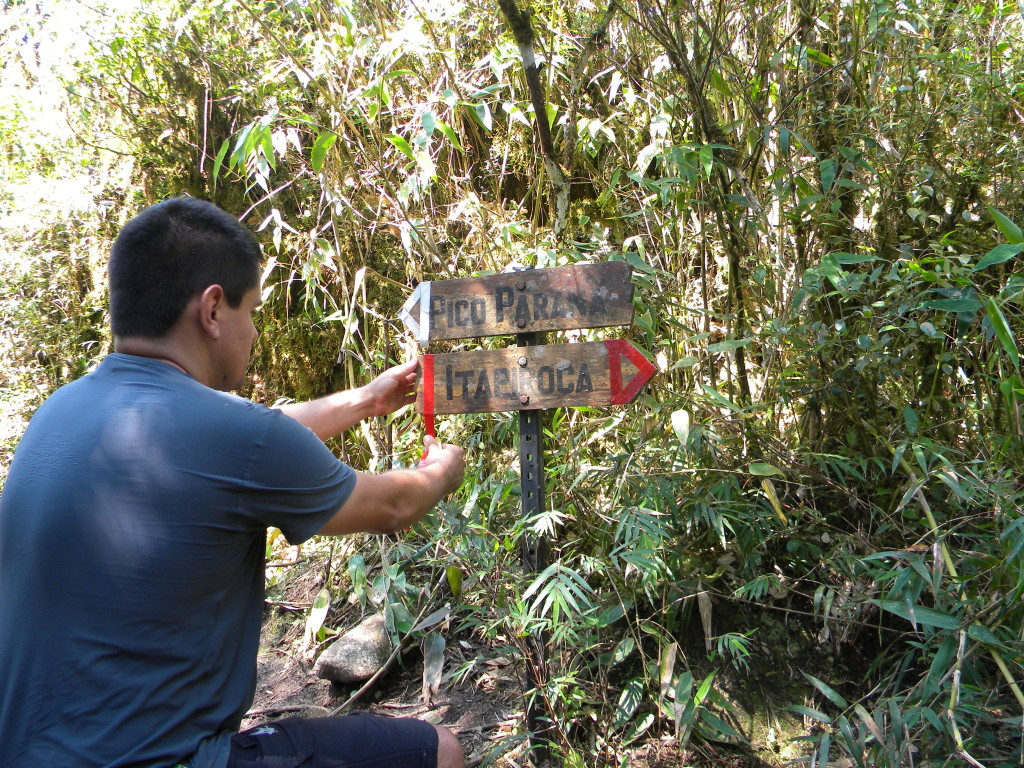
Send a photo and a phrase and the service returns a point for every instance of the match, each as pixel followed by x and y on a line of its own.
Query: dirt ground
pixel 482 710
pixel 481 697
pixel 485 710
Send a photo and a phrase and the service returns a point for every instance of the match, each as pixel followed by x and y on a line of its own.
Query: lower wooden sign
pixel 593 373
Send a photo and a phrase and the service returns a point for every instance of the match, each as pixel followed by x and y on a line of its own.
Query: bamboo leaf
pixel 441 614
pixel 429 123
pixel 999 255
pixel 813 714
pixel 623 649
pixel 320 147
pixel 918 614
pixel 953 305
pixel 401 145
pixel 433 665
pixel 705 687
pixel 454 576
pixel 1002 331
pixel 219 161
pixel 629 702
pixel 707 160
pixel 983 634
pixel 829 692
pixel 681 426
pixel 1010 230
pixel 718 724
pixel 449 134
pixel 728 346
pixel 317 615
pixel 668 665
pixel 827 171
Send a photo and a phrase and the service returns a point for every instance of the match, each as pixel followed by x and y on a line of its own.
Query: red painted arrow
pixel 625 392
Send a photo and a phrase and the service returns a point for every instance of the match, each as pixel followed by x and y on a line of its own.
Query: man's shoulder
pixel 125 386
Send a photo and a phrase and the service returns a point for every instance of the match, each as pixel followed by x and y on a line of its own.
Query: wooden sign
pixel 595 373
pixel 556 299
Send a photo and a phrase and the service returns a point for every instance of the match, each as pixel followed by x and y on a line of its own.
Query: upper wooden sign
pixel 555 299
pixel 592 373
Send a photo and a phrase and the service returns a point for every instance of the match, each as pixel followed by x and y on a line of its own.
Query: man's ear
pixel 210 303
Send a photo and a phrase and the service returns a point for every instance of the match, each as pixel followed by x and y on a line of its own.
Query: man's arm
pixel 395 500
pixel 332 415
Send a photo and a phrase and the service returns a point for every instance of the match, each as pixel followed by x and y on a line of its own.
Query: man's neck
pixel 154 349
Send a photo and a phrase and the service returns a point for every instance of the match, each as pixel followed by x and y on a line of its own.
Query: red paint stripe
pixel 428 394
pixel 614 371
pixel 427 366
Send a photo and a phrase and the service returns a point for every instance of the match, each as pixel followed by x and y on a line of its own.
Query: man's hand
pixel 332 415
pixel 391 390
pixel 446 459
pixel 394 500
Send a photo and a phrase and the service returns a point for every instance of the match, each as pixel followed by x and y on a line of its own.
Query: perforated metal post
pixel 534 551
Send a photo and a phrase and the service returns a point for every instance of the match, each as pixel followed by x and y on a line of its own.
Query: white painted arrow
pixel 420 327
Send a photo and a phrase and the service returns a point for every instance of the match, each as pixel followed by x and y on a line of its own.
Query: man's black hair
pixel 169 253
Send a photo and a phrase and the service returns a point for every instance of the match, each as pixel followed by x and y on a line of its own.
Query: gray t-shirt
pixel 132 541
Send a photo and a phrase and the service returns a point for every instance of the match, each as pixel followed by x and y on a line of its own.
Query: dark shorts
pixel 352 741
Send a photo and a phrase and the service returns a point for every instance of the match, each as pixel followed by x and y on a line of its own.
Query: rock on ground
pixel 358 654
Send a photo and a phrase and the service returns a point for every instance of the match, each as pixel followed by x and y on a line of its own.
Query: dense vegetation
pixel 820 203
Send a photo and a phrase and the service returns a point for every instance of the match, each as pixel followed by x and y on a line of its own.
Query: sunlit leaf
pixel 317 615
pixel 449 134
pixel 320 147
pixel 773 498
pixel 629 702
pixel 429 123
pixel 681 426
pixel 820 57
pixel 667 669
pixel 218 162
pixel 401 145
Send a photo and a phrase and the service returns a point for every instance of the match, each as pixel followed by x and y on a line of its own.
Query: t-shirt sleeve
pixel 293 481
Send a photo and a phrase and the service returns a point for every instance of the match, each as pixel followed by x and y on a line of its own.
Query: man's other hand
pixel 445 457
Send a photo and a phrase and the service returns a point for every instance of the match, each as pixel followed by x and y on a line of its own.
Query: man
pixel 133 526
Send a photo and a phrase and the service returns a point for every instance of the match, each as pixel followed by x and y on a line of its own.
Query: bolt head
pixel 522 361
pixel 521 285
pixel 521 323
pixel 524 399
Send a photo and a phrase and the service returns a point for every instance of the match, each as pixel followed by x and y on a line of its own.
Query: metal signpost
pixel 530 378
